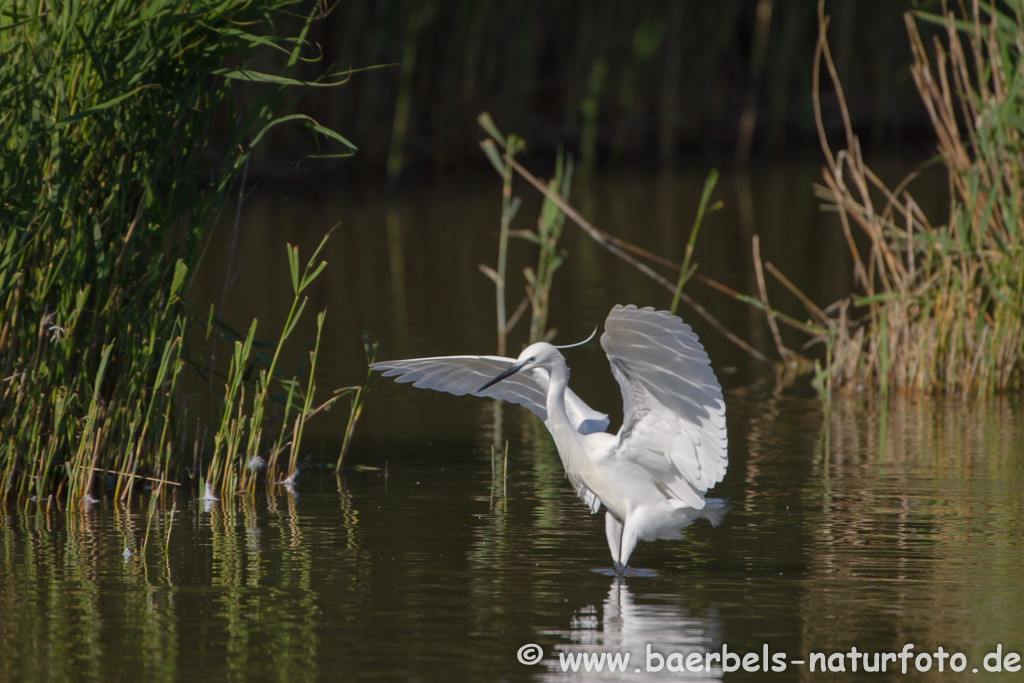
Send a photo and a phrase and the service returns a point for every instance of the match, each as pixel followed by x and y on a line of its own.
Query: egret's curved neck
pixel 557 383
pixel 566 437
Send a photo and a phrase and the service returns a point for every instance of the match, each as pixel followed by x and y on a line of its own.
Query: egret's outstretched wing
pixel 462 375
pixel 673 410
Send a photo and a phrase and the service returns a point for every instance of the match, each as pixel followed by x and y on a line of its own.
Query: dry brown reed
pixel 937 308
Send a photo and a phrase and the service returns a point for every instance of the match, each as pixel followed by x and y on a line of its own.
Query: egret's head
pixel 538 355
pixel 533 356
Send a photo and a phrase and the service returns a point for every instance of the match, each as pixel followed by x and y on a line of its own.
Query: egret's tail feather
pixel 715 509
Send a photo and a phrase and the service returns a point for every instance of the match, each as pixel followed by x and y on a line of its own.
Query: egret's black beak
pixel 508 373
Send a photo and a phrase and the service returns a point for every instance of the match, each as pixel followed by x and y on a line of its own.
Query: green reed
pixel 358 398
pixel 509 207
pixel 556 209
pixel 549 230
pixel 686 270
pixel 539 280
pixel 110 177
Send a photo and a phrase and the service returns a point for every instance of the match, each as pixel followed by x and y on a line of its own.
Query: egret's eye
pixel 532 359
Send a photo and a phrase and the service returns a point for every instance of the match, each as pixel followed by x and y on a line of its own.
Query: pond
pixel 876 529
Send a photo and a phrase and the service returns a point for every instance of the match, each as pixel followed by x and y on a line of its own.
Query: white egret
pixel 672 447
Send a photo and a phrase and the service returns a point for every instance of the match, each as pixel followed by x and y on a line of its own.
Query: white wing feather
pixel 462 375
pixel 673 409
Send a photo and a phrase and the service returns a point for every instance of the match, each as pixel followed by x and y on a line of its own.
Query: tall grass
pixel 939 308
pixel 555 210
pixel 509 207
pixel 936 309
pixel 243 443
pixel 539 280
pixel 109 179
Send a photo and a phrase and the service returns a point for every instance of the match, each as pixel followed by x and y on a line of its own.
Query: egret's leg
pixel 613 529
pixel 630 535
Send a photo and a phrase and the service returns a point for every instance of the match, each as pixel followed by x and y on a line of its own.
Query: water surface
pixel 880 524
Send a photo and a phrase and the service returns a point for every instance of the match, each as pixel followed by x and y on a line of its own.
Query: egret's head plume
pixel 569 346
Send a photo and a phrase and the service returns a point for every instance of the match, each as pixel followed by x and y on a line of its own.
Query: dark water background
pixel 880 524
